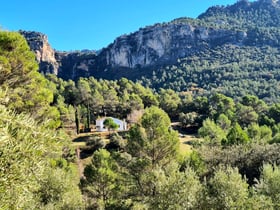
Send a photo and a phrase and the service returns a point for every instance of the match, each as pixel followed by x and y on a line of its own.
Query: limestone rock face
pixel 161 44
pixel 73 65
pixel 45 55
pixel 151 46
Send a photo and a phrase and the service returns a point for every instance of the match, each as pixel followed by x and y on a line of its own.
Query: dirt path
pixel 80 164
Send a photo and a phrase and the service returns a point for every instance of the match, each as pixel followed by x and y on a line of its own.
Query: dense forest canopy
pixel 234 69
pixel 34 174
pixel 226 97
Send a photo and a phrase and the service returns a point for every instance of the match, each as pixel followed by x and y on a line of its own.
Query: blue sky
pixel 93 24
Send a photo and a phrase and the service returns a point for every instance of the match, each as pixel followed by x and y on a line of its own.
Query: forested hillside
pixel 35 172
pixel 223 97
pixel 234 69
pixel 231 49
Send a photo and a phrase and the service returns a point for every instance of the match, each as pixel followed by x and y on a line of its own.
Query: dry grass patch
pixel 186 142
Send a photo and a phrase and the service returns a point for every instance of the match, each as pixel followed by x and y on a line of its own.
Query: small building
pixel 100 124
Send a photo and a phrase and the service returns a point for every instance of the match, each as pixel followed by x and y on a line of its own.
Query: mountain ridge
pixel 244 27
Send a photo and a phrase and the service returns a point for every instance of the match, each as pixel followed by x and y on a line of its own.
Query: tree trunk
pixel 77 120
pixel 88 117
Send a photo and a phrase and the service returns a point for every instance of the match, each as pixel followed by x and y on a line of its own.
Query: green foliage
pixel 223 122
pixel 26 149
pixel 168 100
pixel 237 136
pixel 59 188
pixel 116 143
pixel 187 119
pixel 234 71
pixel 95 98
pixel 26 89
pixel 222 88
pixel 269 184
pixel 153 138
pixel 220 104
pixel 110 124
pixel 276 139
pixel 212 133
pixel 101 179
pixel 246 115
pixel 228 190
pixel 175 189
pixel 236 16
pixel 195 162
pixel 248 159
pixel 17 61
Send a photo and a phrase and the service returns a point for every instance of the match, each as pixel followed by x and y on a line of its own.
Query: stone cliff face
pixel 152 46
pixel 45 55
pixel 75 64
pixel 161 44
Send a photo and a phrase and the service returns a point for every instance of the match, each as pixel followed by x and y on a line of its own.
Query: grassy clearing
pixel 79 141
pixel 186 142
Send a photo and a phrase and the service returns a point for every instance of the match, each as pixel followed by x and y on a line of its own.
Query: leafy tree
pixel 269 184
pixel 237 136
pixel 110 124
pixel 116 143
pixel 151 144
pixel 101 182
pixel 168 101
pixel 275 139
pixel 149 99
pixel 246 115
pixel 26 151
pixel 70 92
pixel 228 190
pixel 27 89
pixel 201 105
pixel 194 161
pixel 153 138
pixel 258 105
pixel 254 132
pixel 266 134
pixel 221 104
pixel 110 99
pixel 59 187
pixel 259 134
pixel 175 189
pixel 188 118
pixel 223 122
pixel 212 133
pixel 274 112
pixel 17 61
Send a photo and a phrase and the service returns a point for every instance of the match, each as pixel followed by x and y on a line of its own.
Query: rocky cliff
pixel 45 55
pixel 73 65
pixel 152 46
pixel 242 24
pixel 164 44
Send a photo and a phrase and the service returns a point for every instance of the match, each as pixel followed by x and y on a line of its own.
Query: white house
pixel 100 126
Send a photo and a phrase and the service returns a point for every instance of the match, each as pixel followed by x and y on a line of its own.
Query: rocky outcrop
pixel 73 65
pixel 155 46
pixel 151 46
pixel 44 53
pixel 161 44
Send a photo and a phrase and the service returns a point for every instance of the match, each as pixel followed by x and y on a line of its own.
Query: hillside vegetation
pixel 234 69
pixel 226 95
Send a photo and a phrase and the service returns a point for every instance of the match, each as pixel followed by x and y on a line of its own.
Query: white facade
pixel 100 126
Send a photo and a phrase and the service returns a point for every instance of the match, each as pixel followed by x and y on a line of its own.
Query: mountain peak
pixel 245 24
pixel 244 14
pixel 44 53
